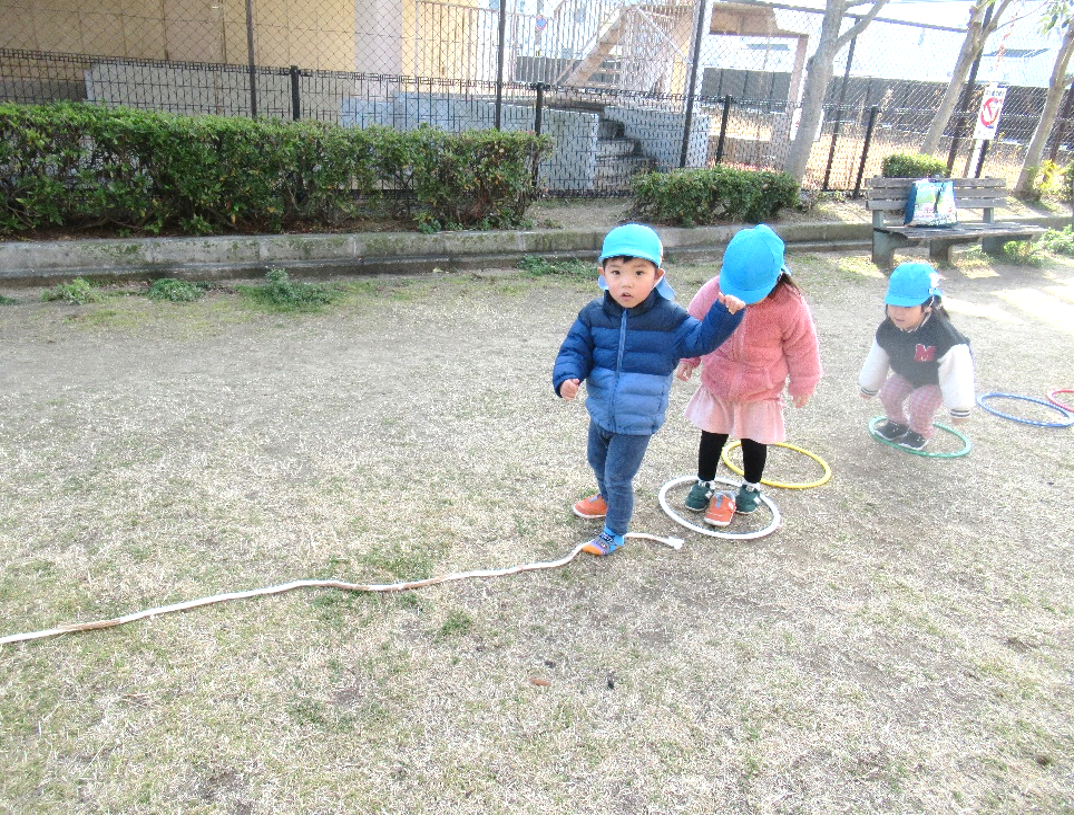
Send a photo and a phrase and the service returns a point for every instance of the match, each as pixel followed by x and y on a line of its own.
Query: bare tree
pixel 978 30
pixel 1060 14
pixel 819 74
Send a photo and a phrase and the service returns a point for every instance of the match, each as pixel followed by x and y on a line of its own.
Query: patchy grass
pixel 535 266
pixel 76 292
pixel 1024 253
pixel 901 644
pixel 280 293
pixel 1058 241
pixel 176 291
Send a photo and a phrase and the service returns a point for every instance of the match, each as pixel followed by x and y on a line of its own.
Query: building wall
pixel 379 38
pixel 191 30
pixel 454 40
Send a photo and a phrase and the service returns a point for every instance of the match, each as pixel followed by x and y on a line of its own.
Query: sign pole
pixel 987 125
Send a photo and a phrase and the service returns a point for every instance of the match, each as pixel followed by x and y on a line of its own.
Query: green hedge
pixel 79 165
pixel 913 165
pixel 708 196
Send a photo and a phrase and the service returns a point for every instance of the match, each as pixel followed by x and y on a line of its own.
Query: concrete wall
pixel 570 168
pixel 194 91
pixel 660 134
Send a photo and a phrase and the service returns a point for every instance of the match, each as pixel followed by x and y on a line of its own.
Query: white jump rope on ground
pixel 674 543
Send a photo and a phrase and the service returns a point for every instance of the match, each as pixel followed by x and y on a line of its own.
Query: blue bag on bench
pixel 931 202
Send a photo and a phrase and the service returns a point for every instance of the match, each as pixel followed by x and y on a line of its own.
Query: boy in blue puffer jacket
pixel 625 345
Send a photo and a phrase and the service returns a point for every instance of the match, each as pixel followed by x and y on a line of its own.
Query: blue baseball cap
pixel 912 284
pixel 633 241
pixel 752 263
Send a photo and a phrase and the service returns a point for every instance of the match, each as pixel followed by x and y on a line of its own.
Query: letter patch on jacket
pixel 925 353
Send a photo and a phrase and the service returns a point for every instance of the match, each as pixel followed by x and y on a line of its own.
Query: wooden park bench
pixel 886 197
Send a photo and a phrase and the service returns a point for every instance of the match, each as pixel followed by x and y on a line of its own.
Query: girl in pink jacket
pixel 742 381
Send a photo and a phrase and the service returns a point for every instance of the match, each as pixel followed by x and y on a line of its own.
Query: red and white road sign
pixel 988 115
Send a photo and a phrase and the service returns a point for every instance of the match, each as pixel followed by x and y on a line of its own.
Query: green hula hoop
pixel 966 445
pixel 779 484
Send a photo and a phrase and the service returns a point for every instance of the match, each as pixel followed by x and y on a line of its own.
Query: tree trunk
pixel 971 46
pixel 1047 117
pixel 976 36
pixel 819 73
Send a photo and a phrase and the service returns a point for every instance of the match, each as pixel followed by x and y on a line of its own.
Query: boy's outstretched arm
pixel 730 302
pixel 685 370
pixel 700 337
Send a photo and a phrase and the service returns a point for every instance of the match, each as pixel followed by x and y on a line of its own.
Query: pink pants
pixel 899 397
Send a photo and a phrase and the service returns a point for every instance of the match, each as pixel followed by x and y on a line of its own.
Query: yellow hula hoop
pixel 779 484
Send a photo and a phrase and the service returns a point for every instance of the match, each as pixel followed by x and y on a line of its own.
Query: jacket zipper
pixel 619 365
pixel 622 344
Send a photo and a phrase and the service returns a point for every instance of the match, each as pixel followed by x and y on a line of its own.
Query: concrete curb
pixel 113 260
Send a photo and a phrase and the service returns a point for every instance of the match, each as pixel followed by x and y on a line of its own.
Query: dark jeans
pixel 754 456
pixel 615 459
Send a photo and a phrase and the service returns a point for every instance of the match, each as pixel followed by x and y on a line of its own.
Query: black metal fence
pixel 611 110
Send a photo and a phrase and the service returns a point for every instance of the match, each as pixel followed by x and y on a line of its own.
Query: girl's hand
pixel 800 401
pixel 569 389
pixel 731 303
pixel 684 372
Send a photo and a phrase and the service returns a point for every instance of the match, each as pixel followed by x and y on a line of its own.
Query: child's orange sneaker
pixel 721 510
pixel 592 507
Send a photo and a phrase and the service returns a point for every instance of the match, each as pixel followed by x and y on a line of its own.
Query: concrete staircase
pixel 633 47
pixel 618 158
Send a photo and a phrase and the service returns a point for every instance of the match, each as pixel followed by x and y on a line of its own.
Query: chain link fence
pixel 612 81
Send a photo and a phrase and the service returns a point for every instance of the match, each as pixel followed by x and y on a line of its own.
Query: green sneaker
pixel 700 495
pixel 747 499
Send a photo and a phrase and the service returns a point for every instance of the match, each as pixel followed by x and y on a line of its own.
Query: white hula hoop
pixel 712 533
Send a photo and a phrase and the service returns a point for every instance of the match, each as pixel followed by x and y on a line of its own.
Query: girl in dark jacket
pixel 929 360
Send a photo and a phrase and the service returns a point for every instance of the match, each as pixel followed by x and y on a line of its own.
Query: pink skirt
pixel 761 421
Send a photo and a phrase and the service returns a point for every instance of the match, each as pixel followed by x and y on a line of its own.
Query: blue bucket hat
pixel 912 284
pixel 635 241
pixel 752 263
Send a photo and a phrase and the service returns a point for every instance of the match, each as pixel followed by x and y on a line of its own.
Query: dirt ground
pixel 903 643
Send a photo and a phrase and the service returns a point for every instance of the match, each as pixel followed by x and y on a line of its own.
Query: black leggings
pixel 754 455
